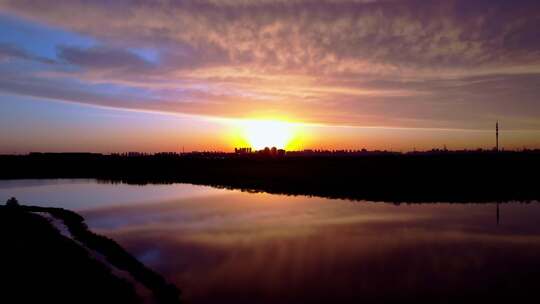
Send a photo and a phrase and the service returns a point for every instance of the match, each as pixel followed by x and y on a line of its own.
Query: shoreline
pixel 112 252
pixel 396 178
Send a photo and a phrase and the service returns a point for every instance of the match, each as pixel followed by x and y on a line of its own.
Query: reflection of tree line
pixel 449 177
pixel 114 253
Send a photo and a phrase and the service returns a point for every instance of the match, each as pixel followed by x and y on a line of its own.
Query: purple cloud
pixel 102 58
pixel 412 63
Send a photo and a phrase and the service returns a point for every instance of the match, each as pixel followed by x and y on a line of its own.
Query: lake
pixel 230 246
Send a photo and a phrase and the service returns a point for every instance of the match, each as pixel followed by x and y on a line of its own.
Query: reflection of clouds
pixel 243 247
pixel 84 194
pixel 241 214
pixel 32 183
pixel 238 214
pixel 232 246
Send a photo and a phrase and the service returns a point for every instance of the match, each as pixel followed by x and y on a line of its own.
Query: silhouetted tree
pixel 12 202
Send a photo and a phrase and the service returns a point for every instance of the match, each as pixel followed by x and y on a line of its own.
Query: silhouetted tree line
pixel 464 176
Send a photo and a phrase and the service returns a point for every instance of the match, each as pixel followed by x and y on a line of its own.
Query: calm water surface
pixel 236 247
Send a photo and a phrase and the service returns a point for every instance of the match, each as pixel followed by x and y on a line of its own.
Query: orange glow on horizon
pixel 261 133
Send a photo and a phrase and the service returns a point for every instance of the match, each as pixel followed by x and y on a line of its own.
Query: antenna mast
pixel 497 136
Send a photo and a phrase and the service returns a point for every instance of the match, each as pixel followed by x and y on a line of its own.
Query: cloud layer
pixel 448 64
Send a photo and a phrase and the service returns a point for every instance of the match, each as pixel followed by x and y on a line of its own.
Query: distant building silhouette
pixel 242 150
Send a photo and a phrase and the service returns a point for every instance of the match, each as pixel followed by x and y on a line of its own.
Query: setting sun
pixel 259 134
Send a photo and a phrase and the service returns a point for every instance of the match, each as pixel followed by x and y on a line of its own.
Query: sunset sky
pixel 114 76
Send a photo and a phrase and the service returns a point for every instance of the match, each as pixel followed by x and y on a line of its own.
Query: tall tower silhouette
pixel 497 136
